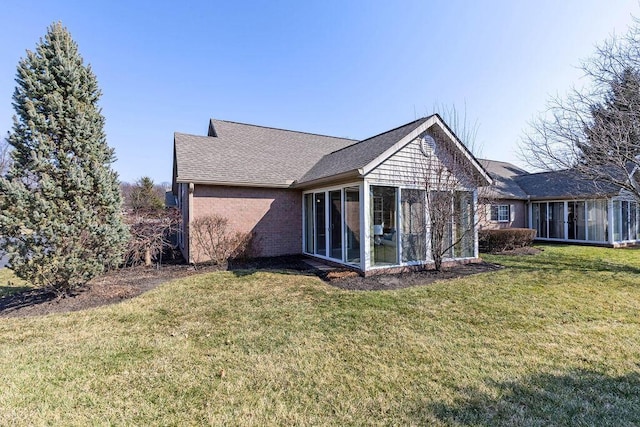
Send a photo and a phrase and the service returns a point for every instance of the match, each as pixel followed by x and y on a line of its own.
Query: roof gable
pixel 363 157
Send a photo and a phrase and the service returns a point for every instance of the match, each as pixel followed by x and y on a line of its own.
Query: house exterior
pixel 561 206
pixel 356 203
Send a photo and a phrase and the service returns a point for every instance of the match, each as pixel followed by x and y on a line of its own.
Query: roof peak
pixel 281 129
pixel 381 133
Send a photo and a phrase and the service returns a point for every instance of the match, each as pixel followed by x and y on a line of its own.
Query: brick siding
pixel 274 216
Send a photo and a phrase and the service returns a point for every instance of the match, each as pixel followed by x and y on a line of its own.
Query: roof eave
pixel 356 173
pixel 285 184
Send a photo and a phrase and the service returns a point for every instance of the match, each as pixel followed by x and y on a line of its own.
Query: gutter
pixel 356 173
pixel 285 184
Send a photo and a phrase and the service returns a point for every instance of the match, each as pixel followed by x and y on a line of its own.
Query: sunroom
pixel 603 221
pixel 380 215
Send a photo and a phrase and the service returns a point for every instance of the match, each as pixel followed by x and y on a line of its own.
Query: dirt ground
pixel 122 284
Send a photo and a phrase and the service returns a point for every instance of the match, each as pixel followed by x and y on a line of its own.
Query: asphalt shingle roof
pixel 562 184
pixel 503 174
pixel 250 154
pixel 358 155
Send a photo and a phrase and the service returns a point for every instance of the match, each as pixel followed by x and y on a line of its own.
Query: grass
pixel 552 339
pixel 9 283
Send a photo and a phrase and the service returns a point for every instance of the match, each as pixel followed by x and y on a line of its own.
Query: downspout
pixel 189 220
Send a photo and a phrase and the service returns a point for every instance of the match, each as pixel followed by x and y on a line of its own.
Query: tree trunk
pixel 147 257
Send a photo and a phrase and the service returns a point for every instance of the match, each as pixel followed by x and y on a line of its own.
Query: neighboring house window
pixel 501 213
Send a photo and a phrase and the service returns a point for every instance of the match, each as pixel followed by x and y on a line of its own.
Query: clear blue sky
pixel 342 68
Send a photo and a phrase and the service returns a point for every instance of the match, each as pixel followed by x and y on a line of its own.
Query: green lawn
pixel 10 284
pixel 553 339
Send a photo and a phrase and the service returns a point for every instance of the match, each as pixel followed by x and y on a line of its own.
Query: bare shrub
pixel 505 239
pixel 151 233
pixel 216 242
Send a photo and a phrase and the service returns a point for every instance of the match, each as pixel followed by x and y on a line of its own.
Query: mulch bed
pixel 127 283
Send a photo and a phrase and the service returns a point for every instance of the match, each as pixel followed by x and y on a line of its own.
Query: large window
pixel 574 220
pixel 352 224
pixel 539 219
pixel 335 224
pixel 308 223
pixel 597 221
pixel 414 229
pixel 383 230
pixel 465 236
pixel 321 229
pixel 501 213
pixel 625 220
pixel 556 220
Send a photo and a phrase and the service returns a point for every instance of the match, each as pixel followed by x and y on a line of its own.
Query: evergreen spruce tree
pixel 614 134
pixel 145 196
pixel 60 205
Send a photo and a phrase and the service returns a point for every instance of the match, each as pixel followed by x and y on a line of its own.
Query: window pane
pixel 624 213
pixel 540 219
pixel 308 217
pixel 464 224
pixel 321 229
pixel 414 230
pixel 335 224
pixel 384 233
pixel 352 223
pixel 617 223
pixel 556 220
pixel 597 220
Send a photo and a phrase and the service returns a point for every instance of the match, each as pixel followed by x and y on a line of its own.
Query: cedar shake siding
pixel 272 215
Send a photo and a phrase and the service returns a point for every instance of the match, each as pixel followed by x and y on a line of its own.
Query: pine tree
pixel 60 205
pixel 145 196
pixel 614 132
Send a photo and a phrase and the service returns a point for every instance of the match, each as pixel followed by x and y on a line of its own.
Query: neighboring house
pixel 346 201
pixel 562 206
pixel 504 201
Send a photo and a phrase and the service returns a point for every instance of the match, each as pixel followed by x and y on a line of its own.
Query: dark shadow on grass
pixel 578 397
pixel 292 264
pixel 25 298
pixel 9 290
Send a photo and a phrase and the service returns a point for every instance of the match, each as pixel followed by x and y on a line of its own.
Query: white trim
pixel 333 187
pixel 611 225
pixel 365 246
pixel 476 226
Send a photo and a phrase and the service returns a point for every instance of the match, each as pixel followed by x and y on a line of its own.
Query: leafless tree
pixel 465 129
pixel 449 179
pixel 594 129
pixel 151 232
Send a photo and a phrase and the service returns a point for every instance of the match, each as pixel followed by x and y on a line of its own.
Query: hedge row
pixel 505 239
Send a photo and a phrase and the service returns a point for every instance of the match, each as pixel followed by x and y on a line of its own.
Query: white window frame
pixel 499 210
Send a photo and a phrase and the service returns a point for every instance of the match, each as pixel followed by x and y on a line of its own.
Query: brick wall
pixel 274 216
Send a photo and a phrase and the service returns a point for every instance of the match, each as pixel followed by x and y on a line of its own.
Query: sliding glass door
pixel 332 224
pixel 335 224
pixel 352 224
pixel 321 229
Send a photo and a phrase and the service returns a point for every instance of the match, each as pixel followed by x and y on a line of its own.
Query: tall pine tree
pixel 60 206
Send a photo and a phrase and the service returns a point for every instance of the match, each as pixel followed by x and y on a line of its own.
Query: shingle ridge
pixel 284 130
pixel 380 134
